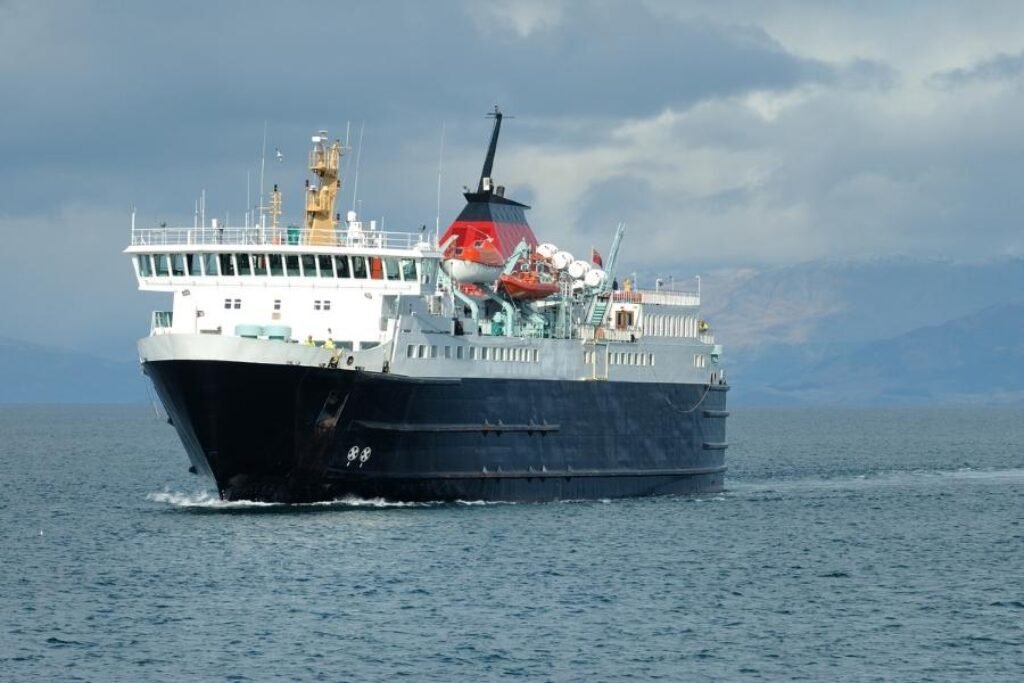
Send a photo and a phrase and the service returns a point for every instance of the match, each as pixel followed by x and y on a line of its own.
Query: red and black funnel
pixel 488 214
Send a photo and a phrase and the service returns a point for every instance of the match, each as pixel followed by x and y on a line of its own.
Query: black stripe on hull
pixel 298 434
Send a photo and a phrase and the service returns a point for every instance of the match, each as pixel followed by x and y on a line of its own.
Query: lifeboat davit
pixel 479 262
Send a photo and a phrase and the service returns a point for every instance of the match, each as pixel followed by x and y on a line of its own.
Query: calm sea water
pixel 851 545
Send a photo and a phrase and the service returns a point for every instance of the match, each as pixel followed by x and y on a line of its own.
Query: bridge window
pixel 291 262
pixel 326 269
pixel 309 265
pixel 376 268
pixel 359 267
pixel 145 265
pixel 391 268
pixel 162 265
pixel 408 270
pixel 210 265
pixel 227 265
pixel 276 264
pixel 341 264
pixel 259 264
pixel 243 264
pixel 178 265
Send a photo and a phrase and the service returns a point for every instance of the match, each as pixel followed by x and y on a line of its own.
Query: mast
pixel 324 162
pixel 485 174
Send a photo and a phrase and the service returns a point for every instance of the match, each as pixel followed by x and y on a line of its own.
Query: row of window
pixel 318 304
pixel 622 358
pixel 499 353
pixel 671 325
pixel 278 265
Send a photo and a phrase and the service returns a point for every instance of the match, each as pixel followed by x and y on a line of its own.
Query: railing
pixel 662 296
pixel 351 237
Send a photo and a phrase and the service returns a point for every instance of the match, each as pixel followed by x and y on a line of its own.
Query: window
pixel 423 351
pixel 433 351
pixel 178 265
pixel 376 268
pixel 326 269
pixel 308 265
pixel 227 303
pixel 408 270
pixel 259 264
pixel 652 359
pixel 227 265
pixel 291 262
pixel 195 264
pixel 483 353
pixel 145 265
pixel 162 265
pixel 448 352
pixel 536 356
pixel 359 267
pixel 341 264
pixel 316 305
pixel 391 268
pixel 210 265
pixel 458 352
pixel 473 353
pixel 277 304
pixel 238 304
pixel 276 265
pixel 410 351
pixel 327 304
pixel 243 264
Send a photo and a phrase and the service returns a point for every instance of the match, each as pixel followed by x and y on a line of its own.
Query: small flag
pixel 596 258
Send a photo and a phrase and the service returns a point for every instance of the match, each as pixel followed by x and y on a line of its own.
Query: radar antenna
pixel 485 175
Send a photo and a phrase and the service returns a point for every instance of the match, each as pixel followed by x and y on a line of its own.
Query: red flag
pixel 596 258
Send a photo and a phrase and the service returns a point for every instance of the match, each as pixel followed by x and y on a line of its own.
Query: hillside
pixel 38 374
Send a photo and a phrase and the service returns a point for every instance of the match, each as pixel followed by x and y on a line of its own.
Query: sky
pixel 725 135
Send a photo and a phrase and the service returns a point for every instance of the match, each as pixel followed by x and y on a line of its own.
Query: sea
pixel 851 545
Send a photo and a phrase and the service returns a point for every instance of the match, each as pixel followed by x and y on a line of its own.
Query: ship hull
pixel 297 434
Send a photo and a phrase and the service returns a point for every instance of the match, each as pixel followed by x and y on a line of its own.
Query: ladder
pixel 597 312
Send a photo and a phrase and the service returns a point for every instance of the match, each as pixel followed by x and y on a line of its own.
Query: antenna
pixel 359 152
pixel 248 198
pixel 485 174
pixel 263 166
pixel 440 164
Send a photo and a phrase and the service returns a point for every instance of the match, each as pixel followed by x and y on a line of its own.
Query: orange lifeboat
pixel 526 285
pixel 479 262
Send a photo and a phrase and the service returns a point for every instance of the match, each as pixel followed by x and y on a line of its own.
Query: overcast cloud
pixel 752 134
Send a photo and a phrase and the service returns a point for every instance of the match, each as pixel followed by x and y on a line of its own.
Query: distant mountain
pixel 891 330
pixel 31 373
pixel 843 302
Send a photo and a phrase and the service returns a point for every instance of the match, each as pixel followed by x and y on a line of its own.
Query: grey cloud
pixel 1001 67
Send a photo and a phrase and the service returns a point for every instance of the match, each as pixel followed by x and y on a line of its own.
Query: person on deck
pixel 309 341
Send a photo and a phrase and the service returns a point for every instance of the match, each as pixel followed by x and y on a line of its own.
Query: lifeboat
pixel 479 262
pixel 526 285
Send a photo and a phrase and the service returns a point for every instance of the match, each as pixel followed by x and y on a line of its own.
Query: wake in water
pixel 207 500
pixel 885 478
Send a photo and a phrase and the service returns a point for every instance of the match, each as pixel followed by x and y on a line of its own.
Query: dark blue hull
pixel 299 434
